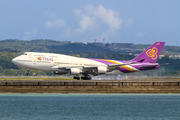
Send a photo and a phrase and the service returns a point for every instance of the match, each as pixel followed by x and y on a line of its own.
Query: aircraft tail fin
pixel 151 54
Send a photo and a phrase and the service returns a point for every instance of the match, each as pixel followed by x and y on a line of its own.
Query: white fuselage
pixel 51 61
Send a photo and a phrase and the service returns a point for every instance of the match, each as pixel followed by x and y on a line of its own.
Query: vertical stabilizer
pixel 151 54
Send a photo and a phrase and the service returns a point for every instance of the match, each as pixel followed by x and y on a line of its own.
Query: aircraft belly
pixel 38 66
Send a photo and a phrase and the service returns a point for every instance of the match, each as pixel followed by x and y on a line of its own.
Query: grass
pixel 36 79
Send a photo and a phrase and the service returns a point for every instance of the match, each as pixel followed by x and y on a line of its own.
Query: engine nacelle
pixel 101 69
pixel 75 71
pixel 60 72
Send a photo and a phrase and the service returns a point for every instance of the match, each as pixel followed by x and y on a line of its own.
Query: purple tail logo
pixel 152 53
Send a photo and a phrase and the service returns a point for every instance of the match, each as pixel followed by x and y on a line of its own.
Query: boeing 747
pixel 85 67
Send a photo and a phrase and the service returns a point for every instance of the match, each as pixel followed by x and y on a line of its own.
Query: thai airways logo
pixel 45 59
pixel 152 53
pixel 39 58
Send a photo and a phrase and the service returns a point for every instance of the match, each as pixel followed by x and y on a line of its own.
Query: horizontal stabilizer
pixel 164 64
pixel 148 67
pixel 140 61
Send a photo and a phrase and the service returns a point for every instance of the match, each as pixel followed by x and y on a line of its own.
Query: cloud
pixel 55 24
pixel 85 23
pixel 110 17
pixel 77 12
pixel 29 35
pixel 90 21
pixel 90 15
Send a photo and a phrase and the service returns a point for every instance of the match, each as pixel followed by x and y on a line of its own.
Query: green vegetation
pixel 46 46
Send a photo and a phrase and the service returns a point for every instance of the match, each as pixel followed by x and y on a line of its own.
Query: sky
pixel 118 21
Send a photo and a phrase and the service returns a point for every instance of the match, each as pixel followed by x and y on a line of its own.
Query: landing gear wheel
pixel 76 77
pixel 89 77
pixel 27 74
pixel 86 77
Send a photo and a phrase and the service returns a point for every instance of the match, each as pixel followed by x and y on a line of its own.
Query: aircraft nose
pixel 17 61
pixel 14 60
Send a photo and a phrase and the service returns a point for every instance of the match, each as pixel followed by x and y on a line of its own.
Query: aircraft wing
pixel 112 66
pixel 93 69
pixel 85 69
pixel 81 67
pixel 69 67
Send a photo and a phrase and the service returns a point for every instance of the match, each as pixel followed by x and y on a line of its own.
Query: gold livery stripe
pixel 127 68
pixel 123 66
pixel 111 61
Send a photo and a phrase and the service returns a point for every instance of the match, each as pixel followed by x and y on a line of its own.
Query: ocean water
pixel 89 106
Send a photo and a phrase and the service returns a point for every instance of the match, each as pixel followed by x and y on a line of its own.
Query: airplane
pixel 84 68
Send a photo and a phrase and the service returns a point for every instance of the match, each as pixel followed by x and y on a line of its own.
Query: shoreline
pixel 87 86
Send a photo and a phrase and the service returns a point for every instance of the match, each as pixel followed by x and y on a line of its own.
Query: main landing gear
pixel 76 77
pixel 86 77
pixel 27 72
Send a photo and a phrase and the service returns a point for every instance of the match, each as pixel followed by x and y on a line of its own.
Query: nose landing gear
pixel 27 72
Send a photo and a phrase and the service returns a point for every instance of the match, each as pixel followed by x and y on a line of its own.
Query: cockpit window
pixel 24 54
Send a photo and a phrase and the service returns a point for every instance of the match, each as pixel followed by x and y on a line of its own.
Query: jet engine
pixel 75 71
pixel 101 69
pixel 60 72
